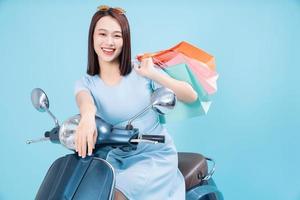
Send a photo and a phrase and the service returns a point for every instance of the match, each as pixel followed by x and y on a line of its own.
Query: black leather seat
pixel 193 166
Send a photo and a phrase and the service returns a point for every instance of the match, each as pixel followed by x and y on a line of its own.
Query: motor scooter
pixel 92 177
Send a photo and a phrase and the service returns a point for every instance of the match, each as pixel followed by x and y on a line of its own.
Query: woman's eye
pixel 102 34
pixel 118 36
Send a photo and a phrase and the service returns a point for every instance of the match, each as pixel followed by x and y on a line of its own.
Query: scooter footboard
pixel 71 177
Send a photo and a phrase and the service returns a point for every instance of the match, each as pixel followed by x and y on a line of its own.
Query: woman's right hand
pixel 86 135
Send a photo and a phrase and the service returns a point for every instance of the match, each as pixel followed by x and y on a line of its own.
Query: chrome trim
pixel 53 117
pixel 143 140
pixel 212 171
pixel 139 114
pixel 114 177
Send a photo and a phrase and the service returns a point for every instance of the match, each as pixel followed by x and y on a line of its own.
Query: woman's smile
pixel 108 51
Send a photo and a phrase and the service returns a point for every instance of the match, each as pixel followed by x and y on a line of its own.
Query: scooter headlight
pixel 67 132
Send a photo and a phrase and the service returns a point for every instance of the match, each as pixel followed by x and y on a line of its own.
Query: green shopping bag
pixel 186 110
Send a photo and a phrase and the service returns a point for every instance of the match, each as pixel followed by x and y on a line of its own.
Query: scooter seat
pixel 193 167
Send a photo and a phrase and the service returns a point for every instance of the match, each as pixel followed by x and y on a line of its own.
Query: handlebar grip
pixel 156 138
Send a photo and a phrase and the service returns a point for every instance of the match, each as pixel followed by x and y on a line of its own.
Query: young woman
pixel 116 91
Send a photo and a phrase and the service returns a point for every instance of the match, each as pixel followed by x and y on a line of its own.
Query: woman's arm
pixel 183 90
pixel 86 132
pixel 85 103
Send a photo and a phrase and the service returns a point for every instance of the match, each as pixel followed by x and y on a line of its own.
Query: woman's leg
pixel 119 195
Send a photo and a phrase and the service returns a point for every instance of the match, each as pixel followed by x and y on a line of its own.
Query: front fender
pixel 71 177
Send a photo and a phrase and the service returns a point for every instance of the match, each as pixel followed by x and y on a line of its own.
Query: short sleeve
pixel 155 85
pixel 82 84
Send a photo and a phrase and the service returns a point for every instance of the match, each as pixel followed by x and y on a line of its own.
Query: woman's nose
pixel 110 40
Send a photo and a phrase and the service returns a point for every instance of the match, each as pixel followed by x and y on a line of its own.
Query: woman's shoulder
pixel 88 79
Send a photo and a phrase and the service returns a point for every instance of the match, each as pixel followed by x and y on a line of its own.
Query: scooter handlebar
pixel 155 138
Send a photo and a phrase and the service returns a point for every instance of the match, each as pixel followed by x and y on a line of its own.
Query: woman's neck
pixel 109 68
pixel 110 72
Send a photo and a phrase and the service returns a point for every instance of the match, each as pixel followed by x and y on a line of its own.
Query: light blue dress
pixel 151 172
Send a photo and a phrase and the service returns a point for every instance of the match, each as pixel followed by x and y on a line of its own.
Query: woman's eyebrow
pixel 101 29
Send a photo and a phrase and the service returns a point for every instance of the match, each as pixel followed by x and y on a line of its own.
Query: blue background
pixel 251 130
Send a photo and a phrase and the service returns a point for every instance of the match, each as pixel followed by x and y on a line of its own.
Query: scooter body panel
pixel 71 177
pixel 206 190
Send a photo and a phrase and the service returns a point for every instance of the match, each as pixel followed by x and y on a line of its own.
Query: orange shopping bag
pixel 186 49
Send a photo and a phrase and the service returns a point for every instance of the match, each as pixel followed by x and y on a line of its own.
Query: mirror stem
pixel 53 117
pixel 139 114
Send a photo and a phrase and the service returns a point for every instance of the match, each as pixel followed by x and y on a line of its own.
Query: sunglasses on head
pixel 105 8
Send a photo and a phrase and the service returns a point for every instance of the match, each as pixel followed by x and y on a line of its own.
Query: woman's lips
pixel 108 51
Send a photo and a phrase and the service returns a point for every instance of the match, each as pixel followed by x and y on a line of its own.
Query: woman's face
pixel 108 40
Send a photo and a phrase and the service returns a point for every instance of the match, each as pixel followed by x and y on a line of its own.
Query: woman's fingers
pixel 95 138
pixel 136 65
pixel 146 60
pixel 79 145
pixel 78 139
pixel 85 141
pixel 83 146
pixel 90 143
pixel 75 140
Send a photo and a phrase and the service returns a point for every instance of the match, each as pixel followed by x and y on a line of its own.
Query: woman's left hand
pixel 183 90
pixel 146 68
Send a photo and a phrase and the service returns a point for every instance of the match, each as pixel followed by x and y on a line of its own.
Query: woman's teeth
pixel 108 51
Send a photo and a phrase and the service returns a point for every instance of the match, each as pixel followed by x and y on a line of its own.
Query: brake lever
pixel 37 140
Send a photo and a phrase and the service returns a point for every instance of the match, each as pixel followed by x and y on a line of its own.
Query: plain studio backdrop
pixel 251 129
